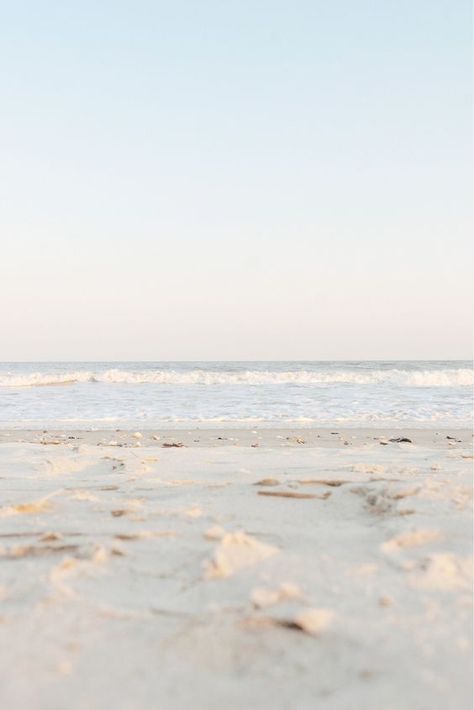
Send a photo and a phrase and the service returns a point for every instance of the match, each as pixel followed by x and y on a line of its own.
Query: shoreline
pixel 277 436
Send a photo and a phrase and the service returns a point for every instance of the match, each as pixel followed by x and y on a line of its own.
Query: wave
pixel 454 377
pixel 272 420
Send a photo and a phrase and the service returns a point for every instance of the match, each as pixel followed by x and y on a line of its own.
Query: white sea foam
pixel 454 377
pixel 135 394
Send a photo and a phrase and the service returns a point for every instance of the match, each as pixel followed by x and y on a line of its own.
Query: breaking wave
pixel 454 377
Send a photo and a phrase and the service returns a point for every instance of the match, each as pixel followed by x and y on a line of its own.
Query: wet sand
pixel 236 568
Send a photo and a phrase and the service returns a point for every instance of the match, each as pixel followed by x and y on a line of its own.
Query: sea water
pixel 205 394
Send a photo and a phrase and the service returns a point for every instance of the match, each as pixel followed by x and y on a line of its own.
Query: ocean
pixel 208 394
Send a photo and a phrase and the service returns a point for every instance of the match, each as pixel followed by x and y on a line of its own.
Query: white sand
pixel 134 575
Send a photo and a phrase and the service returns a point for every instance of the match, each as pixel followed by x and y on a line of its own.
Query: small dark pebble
pixel 401 440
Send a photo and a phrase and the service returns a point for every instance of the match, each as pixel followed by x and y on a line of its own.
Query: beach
pixel 236 357
pixel 258 567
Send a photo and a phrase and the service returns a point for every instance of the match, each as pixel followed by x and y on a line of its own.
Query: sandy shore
pixel 236 569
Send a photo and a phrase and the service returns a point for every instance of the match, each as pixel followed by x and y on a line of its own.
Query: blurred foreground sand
pixel 263 569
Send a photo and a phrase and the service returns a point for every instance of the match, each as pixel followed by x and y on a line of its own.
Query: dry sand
pixel 243 569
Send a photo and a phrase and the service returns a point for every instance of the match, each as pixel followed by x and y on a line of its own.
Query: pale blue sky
pixel 235 180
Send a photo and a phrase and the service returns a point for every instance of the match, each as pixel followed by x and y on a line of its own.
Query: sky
pixel 252 179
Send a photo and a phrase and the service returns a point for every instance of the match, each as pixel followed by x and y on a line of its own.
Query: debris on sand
pixel 118 513
pixel 294 494
pixel 332 482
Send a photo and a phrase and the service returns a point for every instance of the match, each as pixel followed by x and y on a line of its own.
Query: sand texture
pixel 235 569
